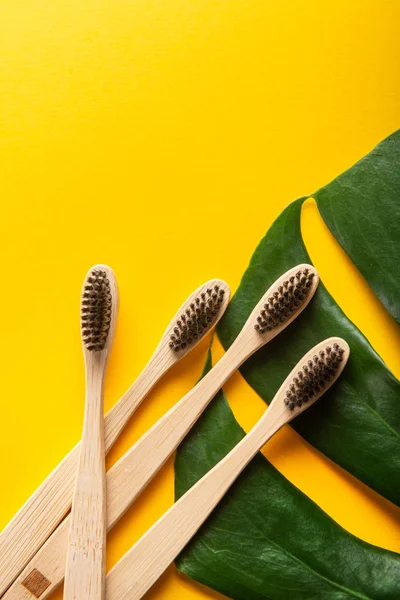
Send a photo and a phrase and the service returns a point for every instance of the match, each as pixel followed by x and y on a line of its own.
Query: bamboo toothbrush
pixel 45 509
pixel 85 568
pixel 282 303
pixel 136 572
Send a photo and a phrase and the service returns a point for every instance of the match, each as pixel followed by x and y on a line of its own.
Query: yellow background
pixel 164 137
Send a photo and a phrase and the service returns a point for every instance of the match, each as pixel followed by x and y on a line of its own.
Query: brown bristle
pixel 285 301
pixel 96 310
pixel 314 377
pixel 197 319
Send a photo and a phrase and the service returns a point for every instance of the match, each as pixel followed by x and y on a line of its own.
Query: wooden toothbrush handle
pixel 136 572
pixel 85 566
pixel 152 450
pixel 129 476
pixel 45 509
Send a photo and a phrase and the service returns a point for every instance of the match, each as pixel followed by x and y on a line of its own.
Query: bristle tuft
pixel 199 317
pixel 285 301
pixel 96 310
pixel 316 376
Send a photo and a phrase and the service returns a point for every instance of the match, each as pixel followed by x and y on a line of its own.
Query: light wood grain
pixel 85 564
pixel 138 466
pixel 136 572
pixel 46 508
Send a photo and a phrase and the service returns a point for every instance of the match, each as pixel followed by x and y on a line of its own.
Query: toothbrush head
pixel 316 372
pixel 96 309
pixel 198 315
pixel 288 296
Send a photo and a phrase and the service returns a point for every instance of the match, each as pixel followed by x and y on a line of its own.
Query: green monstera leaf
pixel 362 209
pixel 266 539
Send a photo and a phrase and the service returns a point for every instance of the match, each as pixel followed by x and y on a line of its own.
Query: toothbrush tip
pixel 317 374
pixel 286 300
pixel 96 310
pixel 200 315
